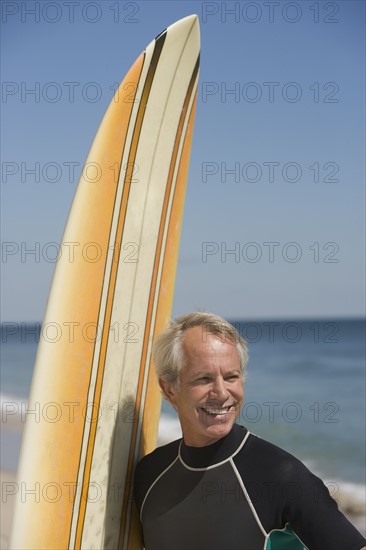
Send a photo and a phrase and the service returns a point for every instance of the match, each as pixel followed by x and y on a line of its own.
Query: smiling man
pixel 209 393
pixel 221 487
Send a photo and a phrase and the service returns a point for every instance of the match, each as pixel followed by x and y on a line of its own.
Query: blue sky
pixel 277 166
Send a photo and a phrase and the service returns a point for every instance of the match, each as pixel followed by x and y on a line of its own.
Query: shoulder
pixel 266 458
pixel 280 474
pixel 152 466
pixel 266 451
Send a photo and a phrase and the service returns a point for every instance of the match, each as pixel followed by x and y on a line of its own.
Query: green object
pixel 284 540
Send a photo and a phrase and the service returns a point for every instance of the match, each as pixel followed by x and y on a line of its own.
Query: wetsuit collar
pixel 202 457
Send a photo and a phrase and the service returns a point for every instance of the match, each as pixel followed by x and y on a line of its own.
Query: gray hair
pixel 168 350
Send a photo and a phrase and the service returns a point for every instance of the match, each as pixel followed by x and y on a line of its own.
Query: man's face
pixel 210 393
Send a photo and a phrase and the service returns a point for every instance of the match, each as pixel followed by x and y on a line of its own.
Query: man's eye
pixel 233 377
pixel 203 379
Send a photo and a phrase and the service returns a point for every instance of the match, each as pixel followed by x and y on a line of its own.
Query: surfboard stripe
pixel 112 282
pixel 145 364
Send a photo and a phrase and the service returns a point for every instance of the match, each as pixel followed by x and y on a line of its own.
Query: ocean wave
pixel 169 429
pixel 9 398
pixel 12 412
pixel 350 497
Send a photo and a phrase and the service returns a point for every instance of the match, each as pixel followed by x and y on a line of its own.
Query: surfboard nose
pixel 188 26
pixel 186 23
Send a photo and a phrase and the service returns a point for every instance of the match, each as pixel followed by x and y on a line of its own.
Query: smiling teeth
pixel 211 410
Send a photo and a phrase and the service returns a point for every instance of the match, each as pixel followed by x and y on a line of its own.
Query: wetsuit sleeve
pixel 285 493
pixel 314 516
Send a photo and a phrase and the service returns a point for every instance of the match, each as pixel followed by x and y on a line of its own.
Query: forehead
pixel 203 347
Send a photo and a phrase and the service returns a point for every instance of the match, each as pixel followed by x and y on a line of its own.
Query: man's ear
pixel 167 391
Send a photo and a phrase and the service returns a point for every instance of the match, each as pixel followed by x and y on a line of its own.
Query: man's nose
pixel 219 389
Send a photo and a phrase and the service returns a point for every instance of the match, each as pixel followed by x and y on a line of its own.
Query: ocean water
pixel 304 391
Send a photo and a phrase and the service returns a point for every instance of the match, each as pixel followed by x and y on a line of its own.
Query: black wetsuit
pixel 239 493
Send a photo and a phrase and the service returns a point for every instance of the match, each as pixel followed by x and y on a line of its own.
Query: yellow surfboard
pixel 94 405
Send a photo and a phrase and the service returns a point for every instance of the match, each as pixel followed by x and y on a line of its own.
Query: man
pixel 220 487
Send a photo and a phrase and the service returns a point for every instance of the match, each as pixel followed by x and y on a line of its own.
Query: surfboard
pixel 94 404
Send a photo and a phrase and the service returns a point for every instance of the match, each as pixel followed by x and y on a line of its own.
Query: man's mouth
pixel 214 411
